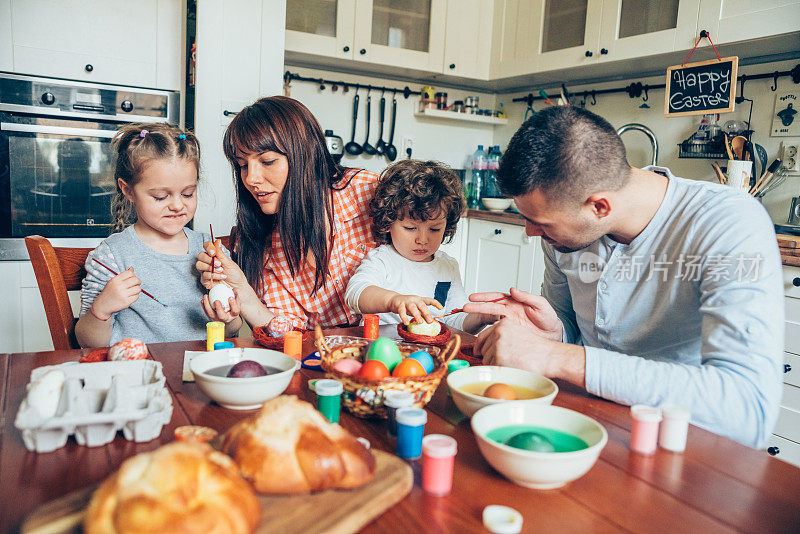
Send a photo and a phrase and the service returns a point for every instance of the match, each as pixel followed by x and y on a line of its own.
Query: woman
pixel 302 223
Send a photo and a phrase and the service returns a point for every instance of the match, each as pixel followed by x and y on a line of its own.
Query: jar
pixel 458 106
pixel 441 100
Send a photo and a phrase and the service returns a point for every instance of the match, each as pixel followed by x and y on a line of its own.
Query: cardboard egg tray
pixel 96 401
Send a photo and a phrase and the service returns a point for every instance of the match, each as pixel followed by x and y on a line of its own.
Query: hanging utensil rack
pixel 289 77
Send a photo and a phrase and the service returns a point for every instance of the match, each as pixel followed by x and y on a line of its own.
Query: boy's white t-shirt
pixel 385 268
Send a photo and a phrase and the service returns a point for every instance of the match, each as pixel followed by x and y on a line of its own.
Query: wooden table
pixel 717 485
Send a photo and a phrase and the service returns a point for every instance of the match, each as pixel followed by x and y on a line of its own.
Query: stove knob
pixel 48 98
pixel 127 106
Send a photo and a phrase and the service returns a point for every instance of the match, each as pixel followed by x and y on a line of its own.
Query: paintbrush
pixel 461 310
pixel 115 273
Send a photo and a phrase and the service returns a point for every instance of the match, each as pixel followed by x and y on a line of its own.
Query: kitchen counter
pixel 497 216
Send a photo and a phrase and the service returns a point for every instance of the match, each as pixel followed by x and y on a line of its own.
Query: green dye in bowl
pixel 536 438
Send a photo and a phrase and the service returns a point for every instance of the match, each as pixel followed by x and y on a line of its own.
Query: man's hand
pixel 522 308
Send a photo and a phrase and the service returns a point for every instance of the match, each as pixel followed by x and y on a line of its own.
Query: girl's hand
pixel 224 268
pixel 416 307
pixel 216 311
pixel 120 292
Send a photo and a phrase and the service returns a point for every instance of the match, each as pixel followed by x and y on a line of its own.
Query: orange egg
pixel 500 391
pixel 408 367
pixel 373 370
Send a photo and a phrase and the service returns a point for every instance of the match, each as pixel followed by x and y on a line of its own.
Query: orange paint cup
pixel 371 326
pixel 293 344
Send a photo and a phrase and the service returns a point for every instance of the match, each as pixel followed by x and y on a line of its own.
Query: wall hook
pixel 774 81
pixel 645 94
pixel 594 100
pixel 740 98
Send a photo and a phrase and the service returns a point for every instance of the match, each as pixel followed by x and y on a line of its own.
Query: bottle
pixel 490 187
pixel 474 187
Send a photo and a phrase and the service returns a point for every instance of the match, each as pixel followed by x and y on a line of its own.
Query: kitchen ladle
pixel 737 146
pixel 380 146
pixel 353 148
pixel 390 151
pixel 368 148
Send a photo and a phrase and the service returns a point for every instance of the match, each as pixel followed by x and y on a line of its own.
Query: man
pixel 657 290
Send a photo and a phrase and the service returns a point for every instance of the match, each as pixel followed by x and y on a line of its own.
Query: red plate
pixel 438 340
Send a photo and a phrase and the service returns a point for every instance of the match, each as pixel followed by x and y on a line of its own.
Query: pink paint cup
pixel 438 457
pixel 644 429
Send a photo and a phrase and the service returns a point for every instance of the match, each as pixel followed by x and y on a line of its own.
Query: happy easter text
pixel 712 88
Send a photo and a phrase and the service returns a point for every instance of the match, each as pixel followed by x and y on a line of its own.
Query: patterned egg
pixel 425 329
pixel 424 358
pixel 373 370
pixel 128 349
pixel 386 351
pixel 347 366
pixel 408 367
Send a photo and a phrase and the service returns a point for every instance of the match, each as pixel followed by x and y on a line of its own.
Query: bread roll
pixel 183 487
pixel 289 447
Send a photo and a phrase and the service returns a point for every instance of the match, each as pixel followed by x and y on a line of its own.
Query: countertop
pixel 507 217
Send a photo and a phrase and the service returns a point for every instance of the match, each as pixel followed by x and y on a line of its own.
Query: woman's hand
pixel 522 308
pixel 120 292
pixel 417 307
pixel 216 311
pixel 224 268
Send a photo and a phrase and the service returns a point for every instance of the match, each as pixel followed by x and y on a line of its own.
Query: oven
pixel 56 167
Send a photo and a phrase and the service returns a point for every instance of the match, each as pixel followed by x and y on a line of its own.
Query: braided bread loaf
pixel 184 487
pixel 289 447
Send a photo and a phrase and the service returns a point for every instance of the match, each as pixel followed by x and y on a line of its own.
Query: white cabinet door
pixel 6 43
pixel 468 38
pixel 632 28
pixel 499 256
pixel 784 449
pixel 321 27
pixel 10 315
pixel 567 33
pixel 514 38
pixel 457 248
pixel 408 35
pixel 729 21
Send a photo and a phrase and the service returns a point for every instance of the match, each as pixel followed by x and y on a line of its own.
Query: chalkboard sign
pixel 699 88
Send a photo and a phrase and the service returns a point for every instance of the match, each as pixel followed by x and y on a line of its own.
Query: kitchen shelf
pixel 462 117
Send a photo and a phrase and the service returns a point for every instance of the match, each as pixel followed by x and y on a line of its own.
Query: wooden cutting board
pixel 329 512
pixel 788 241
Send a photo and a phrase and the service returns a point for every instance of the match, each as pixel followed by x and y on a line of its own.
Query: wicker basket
pixel 438 340
pixel 364 398
pixel 267 341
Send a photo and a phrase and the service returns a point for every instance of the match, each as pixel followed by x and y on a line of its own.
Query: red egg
pixel 373 370
pixel 408 367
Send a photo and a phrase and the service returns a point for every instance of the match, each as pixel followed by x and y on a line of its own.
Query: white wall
pixel 619 109
pixel 445 141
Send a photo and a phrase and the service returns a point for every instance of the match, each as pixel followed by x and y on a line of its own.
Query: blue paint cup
pixel 410 428
pixel 393 401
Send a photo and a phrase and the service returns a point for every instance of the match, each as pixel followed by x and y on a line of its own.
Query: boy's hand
pixel 120 292
pixel 216 311
pixel 413 305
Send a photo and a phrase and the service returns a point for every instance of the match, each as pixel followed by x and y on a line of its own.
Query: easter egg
pixel 128 349
pixel 500 391
pixel 373 370
pixel 530 441
pixel 347 366
pixel 247 369
pixel 408 367
pixel 425 329
pixel 386 351
pixel 221 293
pixel 424 358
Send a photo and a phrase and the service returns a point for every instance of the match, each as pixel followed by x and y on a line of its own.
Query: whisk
pixel 778 179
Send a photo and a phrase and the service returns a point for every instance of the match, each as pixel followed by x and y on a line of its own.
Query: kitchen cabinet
pixel 513 38
pixel 457 248
pixel 785 443
pixel 501 256
pixel 321 27
pixel 566 33
pixel 6 43
pixel 111 41
pixel 730 21
pixel 468 38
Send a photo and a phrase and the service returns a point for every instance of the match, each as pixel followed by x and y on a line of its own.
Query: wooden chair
pixel 58 270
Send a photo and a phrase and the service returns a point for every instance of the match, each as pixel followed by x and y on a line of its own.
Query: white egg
pixel 425 329
pixel 221 292
pixel 44 393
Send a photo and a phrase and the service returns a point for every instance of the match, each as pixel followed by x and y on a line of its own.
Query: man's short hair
pixel 568 153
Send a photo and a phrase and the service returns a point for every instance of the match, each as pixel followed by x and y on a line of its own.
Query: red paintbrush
pixel 115 273
pixel 211 229
pixel 460 310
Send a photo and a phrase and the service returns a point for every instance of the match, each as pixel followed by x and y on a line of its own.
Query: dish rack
pixel 692 148
pixel 96 401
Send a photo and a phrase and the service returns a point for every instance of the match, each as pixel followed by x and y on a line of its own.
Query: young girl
pixel 415 207
pixel 157 169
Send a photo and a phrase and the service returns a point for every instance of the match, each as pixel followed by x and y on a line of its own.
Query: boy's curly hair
pixel 421 190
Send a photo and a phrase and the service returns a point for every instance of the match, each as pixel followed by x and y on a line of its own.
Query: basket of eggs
pixel 367 370
pixel 434 333
pixel 268 341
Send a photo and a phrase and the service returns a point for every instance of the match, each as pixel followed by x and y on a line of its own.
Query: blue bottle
pixel 410 428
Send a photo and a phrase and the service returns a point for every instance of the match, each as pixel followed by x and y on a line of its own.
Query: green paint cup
pixel 455 365
pixel 329 398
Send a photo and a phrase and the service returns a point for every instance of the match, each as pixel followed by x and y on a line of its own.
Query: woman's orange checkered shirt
pixel 289 297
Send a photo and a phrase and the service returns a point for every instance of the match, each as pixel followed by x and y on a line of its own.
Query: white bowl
pixel 243 393
pixel 513 206
pixel 496 204
pixel 539 470
pixel 469 403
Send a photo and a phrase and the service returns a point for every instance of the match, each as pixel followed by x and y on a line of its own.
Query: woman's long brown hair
pixel 284 125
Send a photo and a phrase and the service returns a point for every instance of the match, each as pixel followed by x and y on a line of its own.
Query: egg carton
pixel 96 401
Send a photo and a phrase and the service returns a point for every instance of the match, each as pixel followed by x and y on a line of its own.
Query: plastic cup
pixel 455 365
pixel 293 344
pixel 410 427
pixel 644 430
pixel 219 345
pixel 329 398
pixel 215 332
pixel 674 428
pixel 394 400
pixel 438 458
pixel 739 173
pixel 372 325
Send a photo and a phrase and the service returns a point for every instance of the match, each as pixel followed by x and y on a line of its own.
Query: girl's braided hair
pixel 136 146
